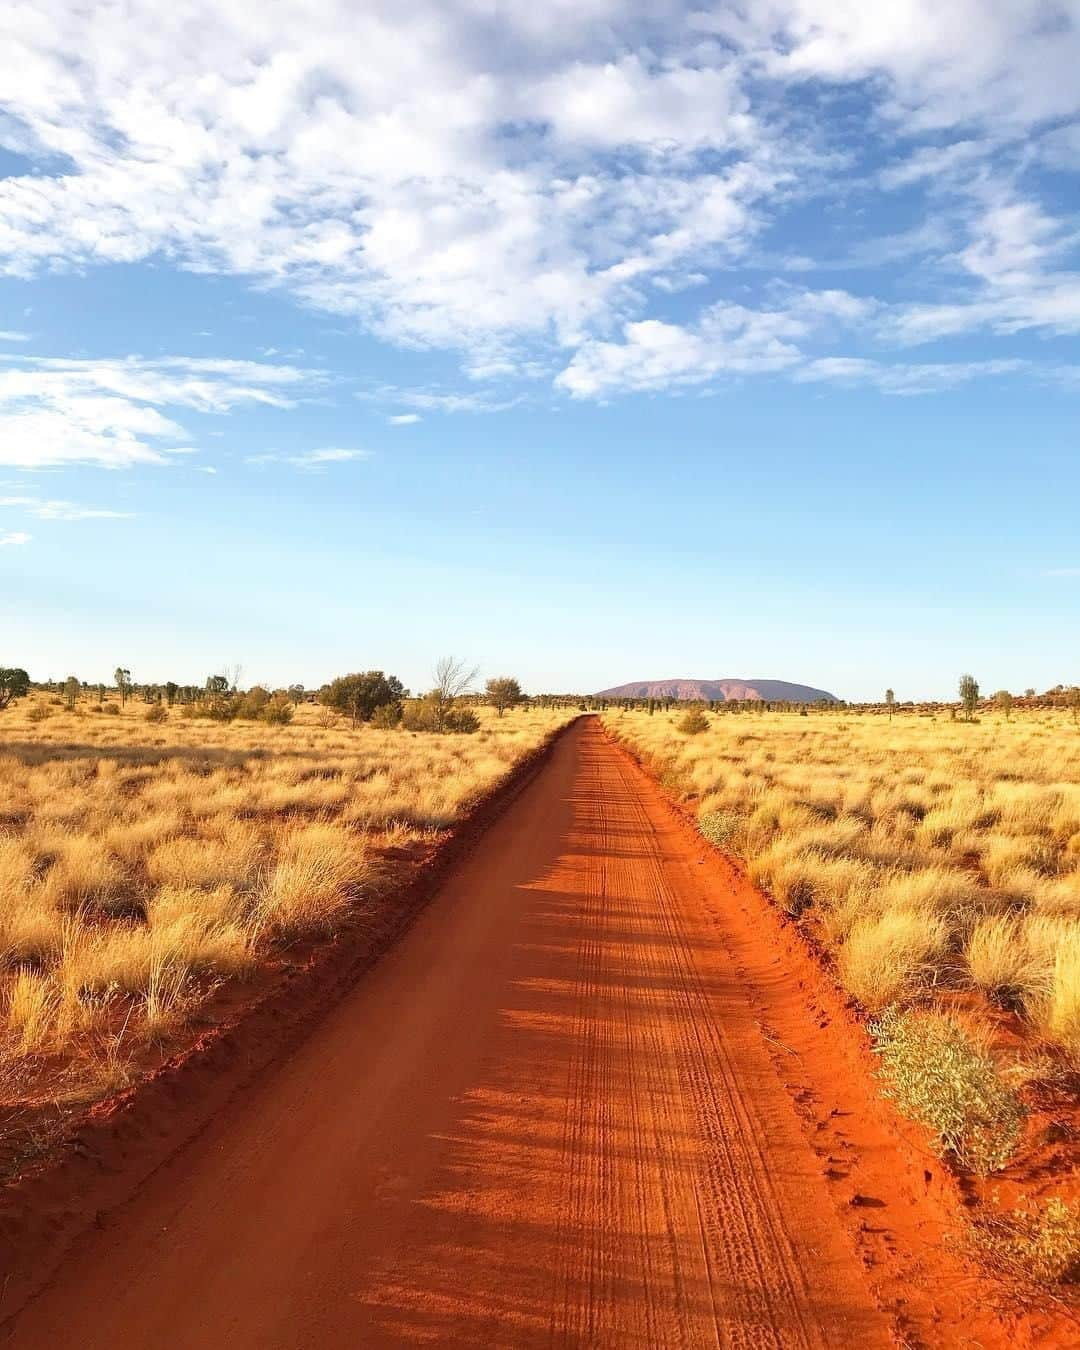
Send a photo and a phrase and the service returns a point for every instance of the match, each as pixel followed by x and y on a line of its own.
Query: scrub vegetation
pixel 150 853
pixel 936 858
pixel 931 855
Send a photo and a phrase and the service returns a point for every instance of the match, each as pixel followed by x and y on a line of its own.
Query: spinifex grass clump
pixel 940 1076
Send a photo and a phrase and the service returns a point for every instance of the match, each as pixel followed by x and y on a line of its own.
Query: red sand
pixel 587 1100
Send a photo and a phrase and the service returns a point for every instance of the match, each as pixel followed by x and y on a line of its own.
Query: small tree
pixel 890 702
pixel 503 692
pixel 1072 701
pixel 123 683
pixel 969 695
pixel 452 679
pixel 71 691
pixel 1003 702
pixel 359 695
pixel 14 683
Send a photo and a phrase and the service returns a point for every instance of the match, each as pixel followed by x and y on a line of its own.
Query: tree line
pixel 364 697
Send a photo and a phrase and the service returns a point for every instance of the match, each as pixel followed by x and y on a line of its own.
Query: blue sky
pixel 591 342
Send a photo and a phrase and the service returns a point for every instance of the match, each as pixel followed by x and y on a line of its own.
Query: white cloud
pixel 966 63
pixel 310 459
pixel 1061 572
pixel 116 414
pixel 11 335
pixel 437 400
pixel 13 538
pixel 525 183
pixel 332 456
pixel 726 340
pixel 903 378
pixel 52 509
pixel 404 419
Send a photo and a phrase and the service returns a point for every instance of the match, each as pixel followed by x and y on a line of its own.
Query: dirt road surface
pixel 547 1117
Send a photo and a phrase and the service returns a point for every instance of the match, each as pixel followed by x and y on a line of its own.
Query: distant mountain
pixel 716 691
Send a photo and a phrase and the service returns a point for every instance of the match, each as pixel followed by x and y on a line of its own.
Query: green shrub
pixel 693 723
pixel 938 1075
pixel 278 712
pixel 721 828
pixel 1039 1245
pixel 253 704
pixel 386 717
pixel 433 713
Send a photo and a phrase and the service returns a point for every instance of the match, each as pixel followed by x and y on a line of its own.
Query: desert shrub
pixel 278 712
pixel 112 709
pixel 219 708
pixel 937 1074
pixel 721 828
pixel 462 721
pixel 254 703
pixel 157 712
pixel 359 695
pixel 692 723
pixel 432 713
pixel 38 713
pixel 386 717
pixel 1033 1245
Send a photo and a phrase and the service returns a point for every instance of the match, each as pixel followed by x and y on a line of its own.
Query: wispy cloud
pixel 404 419
pixel 10 335
pixel 53 509
pixel 1061 572
pixel 903 377
pixel 121 413
pixel 13 538
pixel 310 459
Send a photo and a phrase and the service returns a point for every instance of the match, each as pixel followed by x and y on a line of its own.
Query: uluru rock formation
pixel 715 691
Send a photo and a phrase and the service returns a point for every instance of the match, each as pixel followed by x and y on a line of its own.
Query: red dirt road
pixel 547 1117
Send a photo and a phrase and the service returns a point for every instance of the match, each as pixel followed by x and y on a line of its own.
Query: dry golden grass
pixel 931 855
pixel 143 863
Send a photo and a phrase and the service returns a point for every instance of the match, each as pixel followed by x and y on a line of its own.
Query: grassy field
pixel 142 864
pixel 935 858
